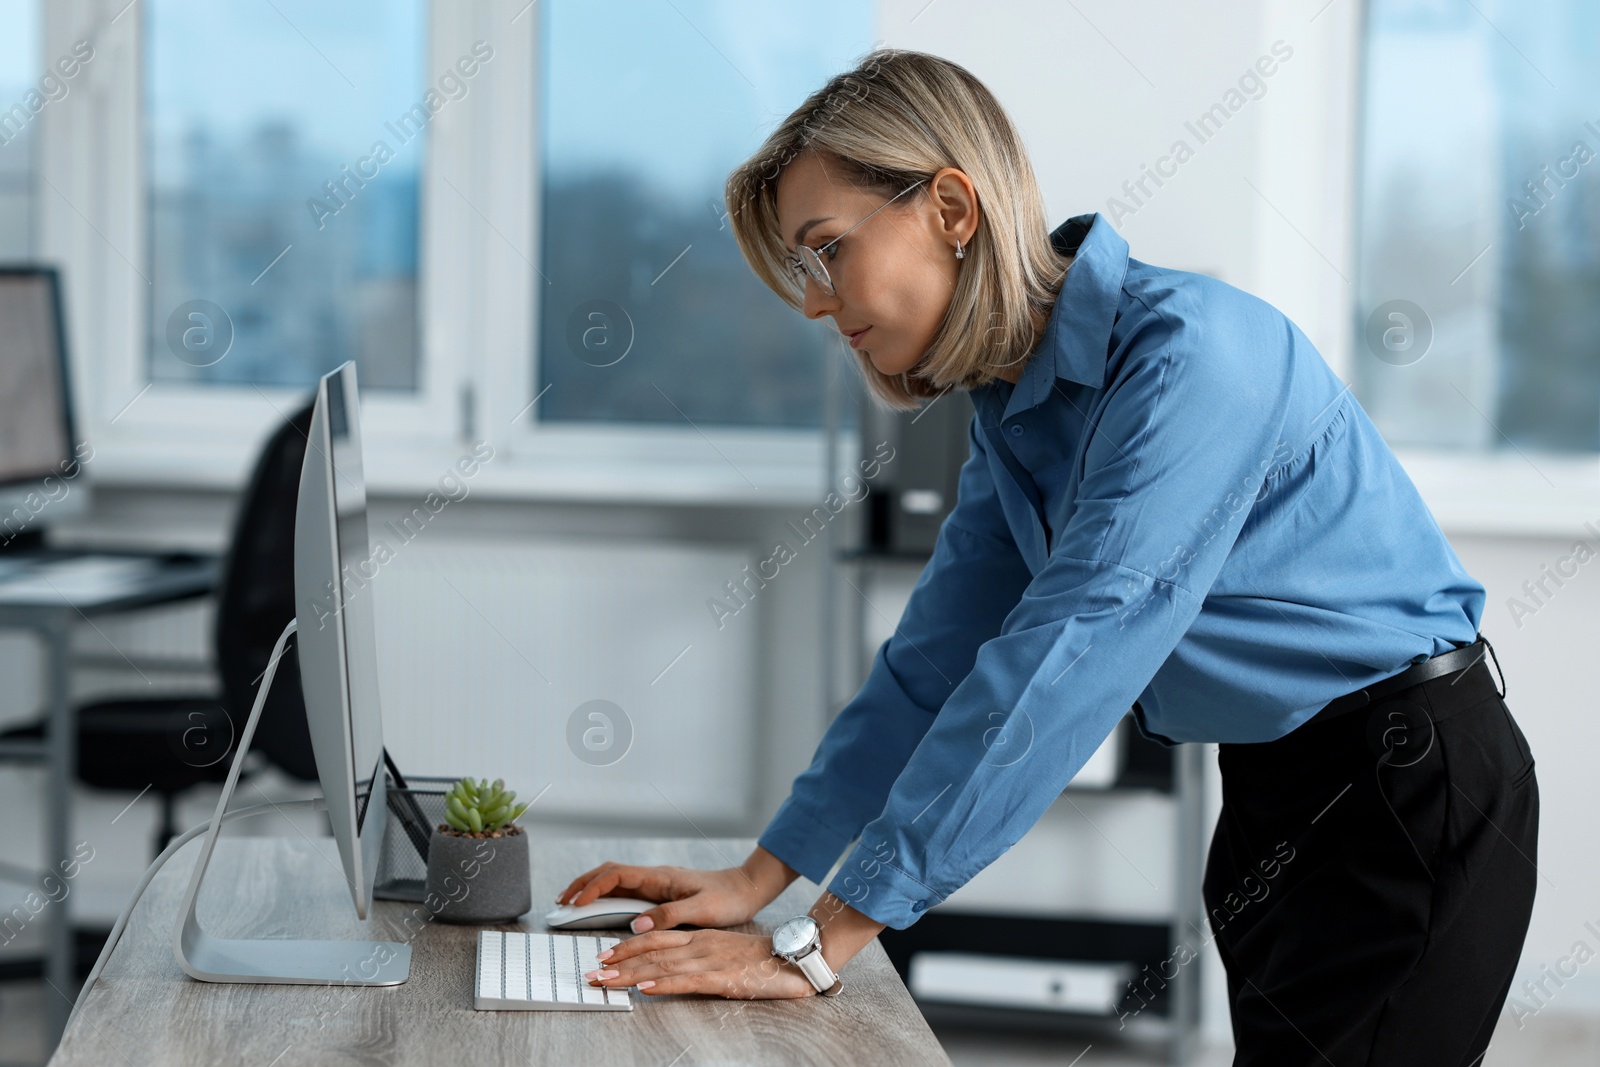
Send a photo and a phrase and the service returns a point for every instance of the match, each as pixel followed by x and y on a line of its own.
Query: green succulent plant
pixel 481 806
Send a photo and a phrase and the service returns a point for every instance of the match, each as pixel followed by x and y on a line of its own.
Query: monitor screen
pixel 35 434
pixel 361 653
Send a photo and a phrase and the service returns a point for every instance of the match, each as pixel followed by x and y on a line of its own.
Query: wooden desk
pixel 145 1009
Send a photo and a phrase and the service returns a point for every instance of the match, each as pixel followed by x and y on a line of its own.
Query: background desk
pixel 145 1010
pixel 51 616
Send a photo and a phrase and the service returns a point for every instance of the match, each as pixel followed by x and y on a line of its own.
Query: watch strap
pixel 818 973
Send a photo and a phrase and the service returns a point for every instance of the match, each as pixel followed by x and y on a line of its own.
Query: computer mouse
pixel 600 913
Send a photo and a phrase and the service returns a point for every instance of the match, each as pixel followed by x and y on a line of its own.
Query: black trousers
pixel 1371 877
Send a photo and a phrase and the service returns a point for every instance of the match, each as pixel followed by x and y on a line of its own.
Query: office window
pixel 284 142
pixel 22 99
pixel 1479 228
pixel 647 311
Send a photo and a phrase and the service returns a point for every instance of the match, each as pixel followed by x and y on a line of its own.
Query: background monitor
pixel 39 461
pixel 336 635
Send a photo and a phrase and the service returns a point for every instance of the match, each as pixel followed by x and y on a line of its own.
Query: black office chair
pixel 171 744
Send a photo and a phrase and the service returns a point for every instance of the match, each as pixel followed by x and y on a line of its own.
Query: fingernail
pixel 602 957
pixel 603 975
pixel 641 924
pixel 646 984
pixel 590 974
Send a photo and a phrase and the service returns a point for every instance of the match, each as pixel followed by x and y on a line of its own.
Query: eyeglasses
pixel 808 260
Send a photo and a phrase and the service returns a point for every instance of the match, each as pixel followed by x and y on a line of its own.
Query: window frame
pixel 1306 236
pixel 477 312
pixel 95 221
pixel 785 461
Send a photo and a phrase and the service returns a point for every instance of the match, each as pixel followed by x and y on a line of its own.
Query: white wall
pixel 691 768
pixel 1553 690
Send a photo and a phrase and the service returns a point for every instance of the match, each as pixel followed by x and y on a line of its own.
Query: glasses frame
pixel 809 260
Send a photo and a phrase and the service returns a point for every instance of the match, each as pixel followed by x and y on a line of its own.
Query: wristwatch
pixel 799 940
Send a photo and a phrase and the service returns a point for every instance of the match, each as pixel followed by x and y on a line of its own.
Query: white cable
pixel 315 804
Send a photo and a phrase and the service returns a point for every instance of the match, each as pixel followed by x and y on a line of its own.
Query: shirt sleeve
pixel 1181 447
pixel 971 581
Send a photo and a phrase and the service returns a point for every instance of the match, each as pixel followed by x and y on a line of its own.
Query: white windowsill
pixel 1539 495
pixel 1499 495
pixel 414 470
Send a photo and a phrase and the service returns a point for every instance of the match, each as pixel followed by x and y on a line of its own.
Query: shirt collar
pixel 1077 334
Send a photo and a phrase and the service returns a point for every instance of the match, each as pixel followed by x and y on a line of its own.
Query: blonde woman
pixel 1171 504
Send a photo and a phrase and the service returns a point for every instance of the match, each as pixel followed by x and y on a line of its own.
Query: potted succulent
pixel 478 857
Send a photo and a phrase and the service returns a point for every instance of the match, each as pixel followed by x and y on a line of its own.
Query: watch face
pixel 794 935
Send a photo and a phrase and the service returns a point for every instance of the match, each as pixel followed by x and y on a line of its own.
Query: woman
pixel 1172 504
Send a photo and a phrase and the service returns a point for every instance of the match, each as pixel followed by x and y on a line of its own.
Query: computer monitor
pixel 336 636
pixel 39 458
pixel 334 632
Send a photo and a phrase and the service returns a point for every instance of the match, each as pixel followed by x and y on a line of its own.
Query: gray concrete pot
pixel 478 879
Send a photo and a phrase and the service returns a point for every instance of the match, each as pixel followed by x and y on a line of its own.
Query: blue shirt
pixel 1178 508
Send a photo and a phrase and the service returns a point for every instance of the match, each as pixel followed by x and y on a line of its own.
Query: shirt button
pixel 1016 429
pixel 918 905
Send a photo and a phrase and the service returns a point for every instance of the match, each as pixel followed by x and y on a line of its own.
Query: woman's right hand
pixel 724 897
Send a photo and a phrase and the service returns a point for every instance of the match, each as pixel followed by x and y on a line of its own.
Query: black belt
pixel 1445 663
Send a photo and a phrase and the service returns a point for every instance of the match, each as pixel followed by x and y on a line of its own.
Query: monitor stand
pixel 216 959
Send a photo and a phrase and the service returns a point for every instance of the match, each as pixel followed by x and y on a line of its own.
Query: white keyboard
pixel 542 972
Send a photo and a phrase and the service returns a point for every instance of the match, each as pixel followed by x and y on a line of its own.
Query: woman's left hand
pixel 719 962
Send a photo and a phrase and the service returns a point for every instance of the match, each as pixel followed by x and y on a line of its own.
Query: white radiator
pixel 486 648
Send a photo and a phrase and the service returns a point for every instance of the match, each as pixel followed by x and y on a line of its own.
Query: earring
pixel 959 254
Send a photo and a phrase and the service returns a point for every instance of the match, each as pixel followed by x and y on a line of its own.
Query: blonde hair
pixel 897 117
